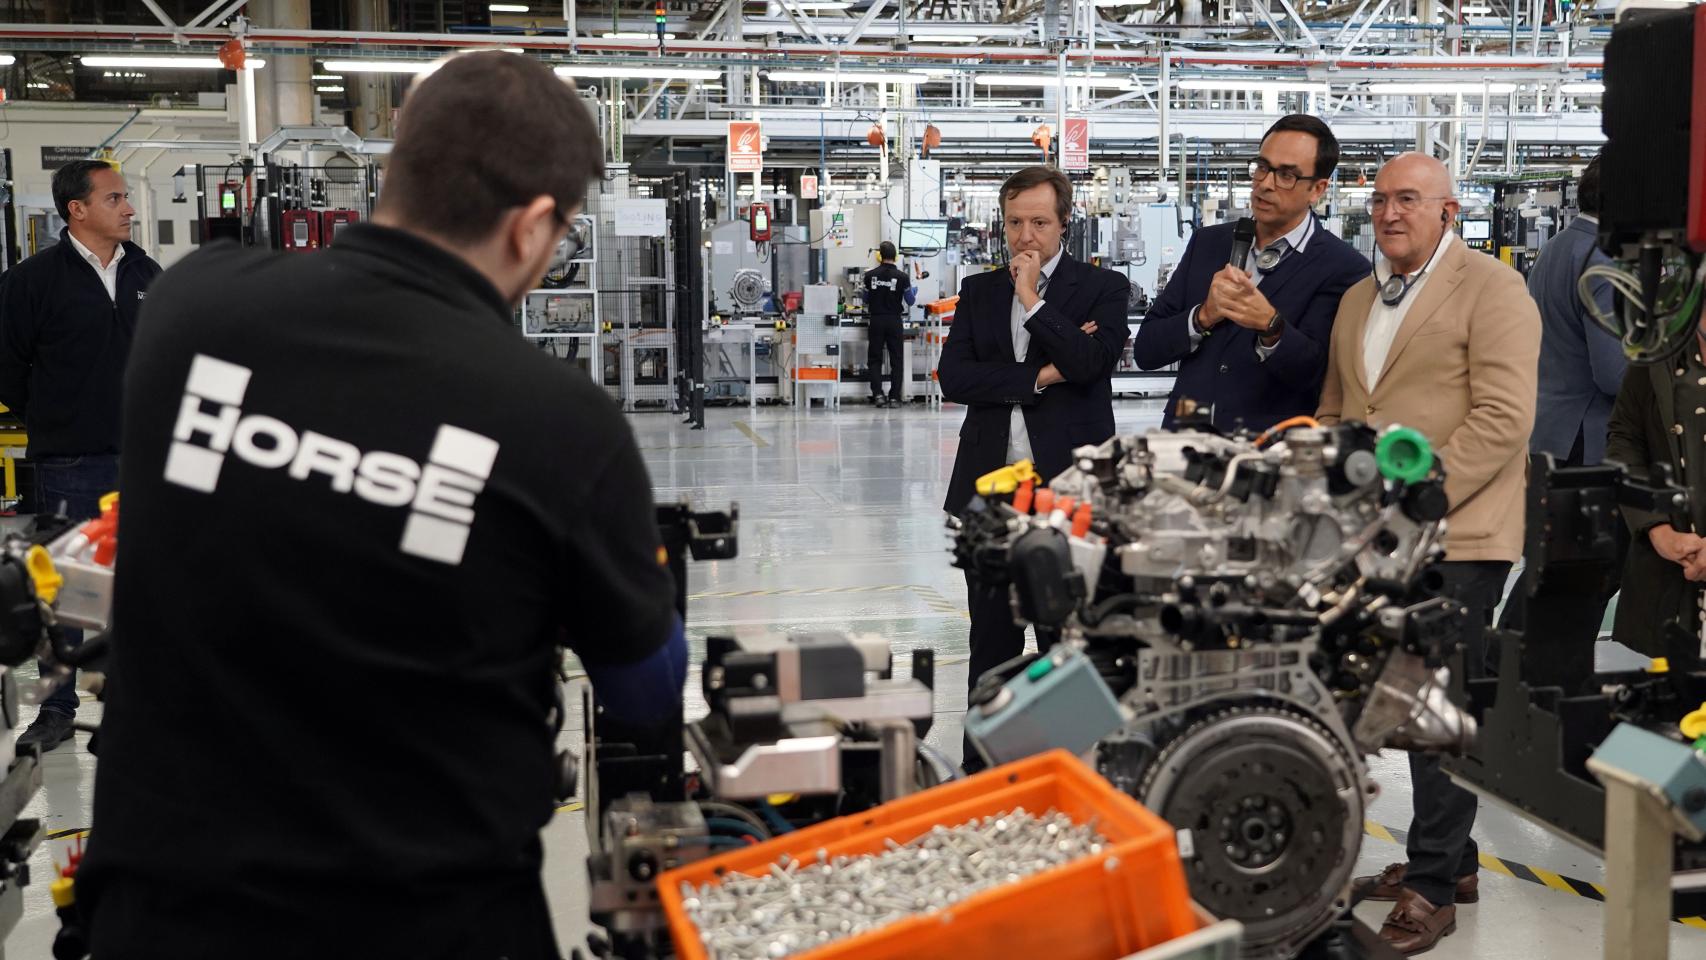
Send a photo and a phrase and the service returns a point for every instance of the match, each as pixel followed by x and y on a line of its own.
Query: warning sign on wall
pixel 1075 145
pixel 746 147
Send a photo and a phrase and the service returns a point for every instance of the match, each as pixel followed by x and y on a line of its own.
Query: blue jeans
pixel 73 486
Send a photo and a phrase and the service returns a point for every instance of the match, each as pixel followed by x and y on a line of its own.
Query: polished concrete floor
pixel 841 527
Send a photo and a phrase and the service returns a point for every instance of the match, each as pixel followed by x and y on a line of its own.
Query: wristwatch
pixel 1275 326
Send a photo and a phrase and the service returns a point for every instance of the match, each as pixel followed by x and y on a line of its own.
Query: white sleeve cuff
pixel 1264 352
pixel 1195 331
pixel 1033 311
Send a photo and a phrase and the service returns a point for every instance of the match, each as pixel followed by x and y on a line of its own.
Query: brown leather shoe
pixel 1386 884
pixel 1415 925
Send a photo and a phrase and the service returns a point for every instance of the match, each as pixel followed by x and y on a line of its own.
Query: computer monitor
pixel 923 236
pixel 1474 230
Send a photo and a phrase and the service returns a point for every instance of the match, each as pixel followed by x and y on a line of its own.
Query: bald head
pixel 1414 204
pixel 1420 171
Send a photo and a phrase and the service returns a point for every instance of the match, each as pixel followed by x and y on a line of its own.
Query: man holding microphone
pixel 1248 318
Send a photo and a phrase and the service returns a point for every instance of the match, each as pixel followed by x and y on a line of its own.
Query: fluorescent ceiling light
pixel 659 72
pixel 1254 86
pixel 849 76
pixel 1584 89
pixel 508 7
pixel 485 49
pixel 1424 87
pixel 636 35
pixel 379 66
pixel 1477 11
pixel 164 63
pixel 7 59
pixel 1051 80
pixel 328 76
pixel 996 103
pixel 328 89
pixel 38 85
pixel 936 72
pixel 942 38
pixel 822 4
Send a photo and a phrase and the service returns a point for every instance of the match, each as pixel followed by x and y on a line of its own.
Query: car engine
pixel 1230 625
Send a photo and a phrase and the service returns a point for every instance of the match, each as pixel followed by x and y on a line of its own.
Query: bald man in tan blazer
pixel 1445 340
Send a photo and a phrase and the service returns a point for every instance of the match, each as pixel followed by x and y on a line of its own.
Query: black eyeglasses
pixel 1284 177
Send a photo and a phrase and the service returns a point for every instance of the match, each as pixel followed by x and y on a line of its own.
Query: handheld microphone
pixel 1243 239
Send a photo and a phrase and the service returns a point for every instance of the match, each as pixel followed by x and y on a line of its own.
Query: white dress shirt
pixel 1297 240
pixel 1018 437
pixel 109 273
pixel 1384 321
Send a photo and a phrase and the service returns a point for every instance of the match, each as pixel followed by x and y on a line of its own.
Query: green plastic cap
pixel 1404 454
pixel 1040 669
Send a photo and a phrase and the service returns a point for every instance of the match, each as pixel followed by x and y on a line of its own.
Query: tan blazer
pixel 1463 369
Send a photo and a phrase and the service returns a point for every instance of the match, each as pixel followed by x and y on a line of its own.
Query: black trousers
pixel 885 333
pixel 1440 848
pixel 995 639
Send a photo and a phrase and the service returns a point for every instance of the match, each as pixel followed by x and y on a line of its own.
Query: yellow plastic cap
pixel 1659 665
pixel 1007 479
pixel 1694 725
pixel 47 580
pixel 64 892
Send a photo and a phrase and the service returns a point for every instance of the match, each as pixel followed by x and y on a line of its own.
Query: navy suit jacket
pixel 978 369
pixel 1581 366
pixel 1246 391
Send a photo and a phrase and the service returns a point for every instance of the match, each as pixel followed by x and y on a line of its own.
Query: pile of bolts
pixel 798 906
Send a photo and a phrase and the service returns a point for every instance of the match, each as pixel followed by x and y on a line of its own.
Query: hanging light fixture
pixel 1042 136
pixel 875 136
pixel 932 138
pixel 232 54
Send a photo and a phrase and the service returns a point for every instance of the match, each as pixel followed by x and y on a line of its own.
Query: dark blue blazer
pixel 1246 391
pixel 1581 366
pixel 978 369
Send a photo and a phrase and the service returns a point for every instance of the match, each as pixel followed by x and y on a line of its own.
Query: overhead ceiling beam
pixel 876 9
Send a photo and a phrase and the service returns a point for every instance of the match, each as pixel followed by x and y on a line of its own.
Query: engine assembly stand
pixel 1655 790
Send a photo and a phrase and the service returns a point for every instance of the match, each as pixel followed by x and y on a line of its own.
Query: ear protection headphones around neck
pixel 1275 253
pixel 1396 287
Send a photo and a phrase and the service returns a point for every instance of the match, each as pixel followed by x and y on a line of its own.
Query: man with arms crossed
pixel 1031 354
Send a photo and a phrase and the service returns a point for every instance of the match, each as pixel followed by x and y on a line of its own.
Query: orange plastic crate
pixel 1127 898
pixel 814 373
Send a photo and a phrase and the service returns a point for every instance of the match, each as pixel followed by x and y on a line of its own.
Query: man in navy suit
pixel 1253 346
pixel 1031 354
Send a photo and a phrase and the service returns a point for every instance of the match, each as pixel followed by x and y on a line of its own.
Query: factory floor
pixel 841 528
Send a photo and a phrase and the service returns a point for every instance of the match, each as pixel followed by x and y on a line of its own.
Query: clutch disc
pixel 1269 806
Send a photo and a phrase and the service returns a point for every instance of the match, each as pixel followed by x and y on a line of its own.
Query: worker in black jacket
pixel 361 516
pixel 887 292
pixel 67 316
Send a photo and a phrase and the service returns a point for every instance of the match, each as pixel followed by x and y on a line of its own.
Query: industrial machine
pixel 1611 754
pixel 302 208
pixel 799 730
pixel 1230 624
pixel 54 575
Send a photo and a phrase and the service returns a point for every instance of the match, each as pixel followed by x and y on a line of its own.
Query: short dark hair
pixel 75 181
pixel 484 133
pixel 885 251
pixel 1032 177
pixel 1326 145
pixel 1587 189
